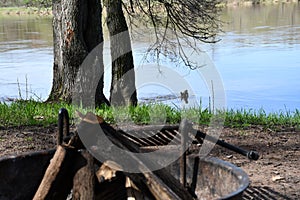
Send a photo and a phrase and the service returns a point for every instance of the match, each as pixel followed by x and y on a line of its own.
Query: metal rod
pixel 63 125
pixel 253 155
pixel 195 174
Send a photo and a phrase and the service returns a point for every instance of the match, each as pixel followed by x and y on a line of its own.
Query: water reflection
pixel 260 18
pixel 26 56
pixel 258 57
pixel 19 32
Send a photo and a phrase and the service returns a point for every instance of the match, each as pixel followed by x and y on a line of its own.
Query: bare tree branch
pixel 177 24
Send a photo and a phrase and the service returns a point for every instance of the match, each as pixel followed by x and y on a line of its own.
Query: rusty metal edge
pixel 238 172
pixel 27 154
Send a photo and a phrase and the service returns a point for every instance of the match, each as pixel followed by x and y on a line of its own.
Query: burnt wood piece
pixel 57 181
pixel 112 189
pixel 160 183
pixel 84 179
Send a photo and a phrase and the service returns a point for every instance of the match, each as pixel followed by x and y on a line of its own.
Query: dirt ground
pixel 276 175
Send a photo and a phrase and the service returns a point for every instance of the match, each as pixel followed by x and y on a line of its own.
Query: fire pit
pixel 20 176
pixel 72 168
pixel 212 178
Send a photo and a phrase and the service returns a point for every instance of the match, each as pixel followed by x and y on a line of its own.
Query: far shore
pixel 236 3
pixel 42 11
pixel 21 11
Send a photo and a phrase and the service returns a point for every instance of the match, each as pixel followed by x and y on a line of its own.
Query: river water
pixel 257 59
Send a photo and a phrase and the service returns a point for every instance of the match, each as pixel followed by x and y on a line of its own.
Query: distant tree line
pixel 28 3
pixel 48 3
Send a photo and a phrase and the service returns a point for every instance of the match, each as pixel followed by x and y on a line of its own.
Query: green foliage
pixel 143 114
pixel 38 3
pixel 246 118
pixel 29 113
pixel 37 113
pixel 28 3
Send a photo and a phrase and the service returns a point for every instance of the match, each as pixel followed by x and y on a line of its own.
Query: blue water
pixel 26 73
pixel 262 73
pixel 257 59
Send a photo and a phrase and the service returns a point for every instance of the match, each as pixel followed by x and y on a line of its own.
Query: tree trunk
pixel 123 90
pixel 77 30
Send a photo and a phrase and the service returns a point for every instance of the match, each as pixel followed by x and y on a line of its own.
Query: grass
pixel 247 118
pixel 29 113
pixel 36 113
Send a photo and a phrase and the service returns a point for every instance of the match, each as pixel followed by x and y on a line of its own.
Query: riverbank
pixel 234 3
pixel 29 113
pixel 22 10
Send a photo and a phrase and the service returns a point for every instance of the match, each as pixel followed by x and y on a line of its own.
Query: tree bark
pixel 77 30
pixel 84 179
pixel 123 90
